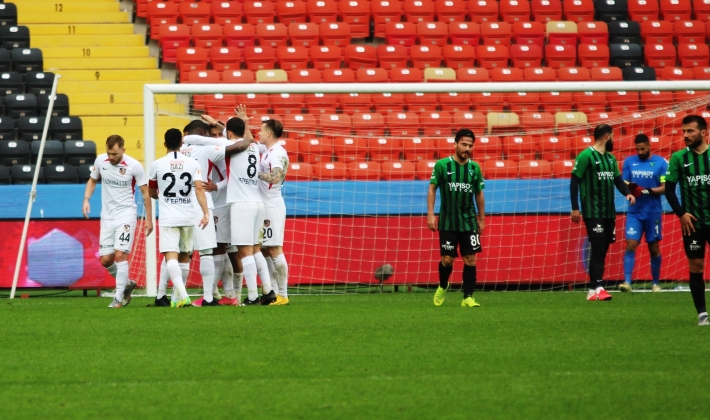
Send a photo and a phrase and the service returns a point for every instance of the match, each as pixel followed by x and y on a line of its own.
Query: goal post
pixel 541 202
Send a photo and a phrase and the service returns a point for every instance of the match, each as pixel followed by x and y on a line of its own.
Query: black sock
pixel 697 289
pixel 469 280
pixel 444 274
pixel 597 255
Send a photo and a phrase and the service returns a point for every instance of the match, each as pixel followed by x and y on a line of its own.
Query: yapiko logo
pixel 631 231
pixel 598 229
pixel 694 246
pixel 447 246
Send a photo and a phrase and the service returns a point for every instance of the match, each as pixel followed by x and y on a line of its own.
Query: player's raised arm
pixel 242 115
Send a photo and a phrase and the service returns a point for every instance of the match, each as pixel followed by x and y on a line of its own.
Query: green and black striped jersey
pixel 692 172
pixel 458 184
pixel 596 172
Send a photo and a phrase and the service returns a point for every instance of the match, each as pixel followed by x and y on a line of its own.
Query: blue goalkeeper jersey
pixel 649 173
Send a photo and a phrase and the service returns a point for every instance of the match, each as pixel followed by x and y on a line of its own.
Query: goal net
pixel 361 156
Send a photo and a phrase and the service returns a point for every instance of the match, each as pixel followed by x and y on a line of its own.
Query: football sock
pixel 228 279
pixel 263 269
pixel 697 290
pixel 176 276
pixel 444 274
pixel 112 270
pixel 281 268
pixel 596 264
pixel 164 277
pixel 250 275
pixel 272 274
pixel 207 273
pixel 218 267
pixel 185 269
pixel 656 269
pixel 121 278
pixel 238 283
pixel 469 280
pixel 629 261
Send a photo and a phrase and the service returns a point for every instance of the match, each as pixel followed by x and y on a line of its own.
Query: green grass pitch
pixel 521 355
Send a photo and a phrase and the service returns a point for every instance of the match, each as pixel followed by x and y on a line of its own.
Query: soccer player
pixel 594 175
pixel 459 224
pixel 645 174
pixel 172 178
pixel 690 168
pixel 119 174
pixel 274 165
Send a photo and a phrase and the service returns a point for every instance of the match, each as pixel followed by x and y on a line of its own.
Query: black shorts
pixel 469 242
pixel 601 229
pixel 695 243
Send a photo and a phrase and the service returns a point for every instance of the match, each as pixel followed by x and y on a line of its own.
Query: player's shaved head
pixel 602 130
pixel 236 127
pixel 196 127
pixel 173 139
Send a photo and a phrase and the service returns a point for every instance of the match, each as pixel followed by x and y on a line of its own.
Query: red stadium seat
pixel 338 124
pixel 506 75
pixel 272 34
pixel 195 13
pixel 474 120
pixel 225 13
pixel 561 33
pixel 305 76
pixel 304 34
pixel 189 60
pixel 398 171
pixel 433 33
pixel 535 121
pixel 402 75
pixel 593 33
pixel 425 56
pixel 386 103
pixel 377 75
pixel 546 10
pixel 255 103
pixel 600 74
pixel 451 10
pixel 579 10
pixel 419 10
pixel 391 56
pixel 240 35
pixel 260 58
pixel 672 10
pixel 360 56
pixel 351 103
pixel 207 36
pixel 291 11
pixel 436 123
pixel 690 32
pixel 401 33
pixel 315 150
pixel 489 102
pixel 257 12
pixel 590 101
pixel 300 172
pixel 292 57
pixel 623 101
pixel 238 76
pixel 357 14
pixel 162 14
pixel 669 124
pixel 326 57
pixel 496 33
pixel 593 55
pixel 556 101
pixel 403 124
pixel 364 171
pixel 693 55
pixel 322 11
pixel 643 10
pixel 558 56
pixel 173 37
pixel 486 148
pixel 205 76
pixel 579 144
pixel 445 147
pixel 421 102
pixel 459 56
pixel 384 11
pixel 540 74
pixel 473 75
pixel 514 10
pixel 384 149
pixel 554 148
pixel 465 33
pixel 657 32
pixel 674 73
pixel 330 171
pixel 481 11
pixel 300 125
pixel 338 76
pixel 500 169
pixel 637 123
pixel 529 33
pixel 659 56
pixel 657 99
pixel 454 101
pixel 214 102
pixel 424 169
pixel 520 102
pixel 350 149
pixel 519 148
pixel 535 169
pixel 492 56
pixel 701 10
pixel 701 73
pixel 288 103
pixel 562 168
pixel 335 33
pixel 524 56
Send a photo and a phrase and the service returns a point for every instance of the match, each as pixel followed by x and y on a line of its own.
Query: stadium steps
pixel 111 75
pixel 81 29
pixel 96 52
pixel 125 63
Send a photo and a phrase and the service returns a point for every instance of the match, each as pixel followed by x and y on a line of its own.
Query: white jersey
pixel 274 157
pixel 118 186
pixel 218 175
pixel 174 176
pixel 206 156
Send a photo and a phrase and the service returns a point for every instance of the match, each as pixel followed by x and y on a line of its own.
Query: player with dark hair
pixel 645 174
pixel 594 175
pixel 690 168
pixel 459 224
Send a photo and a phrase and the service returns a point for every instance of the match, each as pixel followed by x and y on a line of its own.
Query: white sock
pixel 112 270
pixel 176 276
pixel 599 289
pixel 272 274
pixel 164 277
pixel 263 269
pixel 218 268
pixel 282 274
pixel 250 275
pixel 228 279
pixel 121 278
pixel 207 273
pixel 185 270
pixel 238 279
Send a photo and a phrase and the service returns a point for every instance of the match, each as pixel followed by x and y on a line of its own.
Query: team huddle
pixel 219 193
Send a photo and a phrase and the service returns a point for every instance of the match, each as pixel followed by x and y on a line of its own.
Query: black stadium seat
pixel 60 108
pixel 639 73
pixel 625 55
pixel 624 32
pixel 5 175
pixel 5 60
pixel 14 152
pixel 85 173
pixel 23 174
pixel 79 152
pixel 39 83
pixel 67 128
pixel 611 10
pixel 7 128
pixel 60 174
pixel 53 153
pixel 14 37
pixel 27 59
pixel 8 14
pixel 11 82
pixel 30 128
pixel 21 105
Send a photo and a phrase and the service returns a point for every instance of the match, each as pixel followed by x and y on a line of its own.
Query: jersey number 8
pixel 251 169
pixel 183 192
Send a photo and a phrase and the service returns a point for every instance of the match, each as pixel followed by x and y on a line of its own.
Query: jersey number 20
pixel 183 192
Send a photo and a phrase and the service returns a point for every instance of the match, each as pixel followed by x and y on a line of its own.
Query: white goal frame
pixel 150 90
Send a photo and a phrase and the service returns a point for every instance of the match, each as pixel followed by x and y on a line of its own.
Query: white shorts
pixel 274 226
pixel 223 225
pixel 247 223
pixel 116 235
pixel 176 239
pixel 206 238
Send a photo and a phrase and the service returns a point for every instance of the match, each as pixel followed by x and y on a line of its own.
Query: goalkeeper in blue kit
pixel 646 175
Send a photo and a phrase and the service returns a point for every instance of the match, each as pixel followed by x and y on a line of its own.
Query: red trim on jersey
pixel 210 165
pixel 153 184
pixel 270 185
pixel 133 186
pixel 107 160
pixel 227 162
pixel 216 169
pixel 123 162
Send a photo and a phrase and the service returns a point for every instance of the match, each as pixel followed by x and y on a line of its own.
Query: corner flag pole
pixel 33 190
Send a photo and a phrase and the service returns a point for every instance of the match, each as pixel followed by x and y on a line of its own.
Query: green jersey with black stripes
pixel 596 172
pixel 457 185
pixel 692 171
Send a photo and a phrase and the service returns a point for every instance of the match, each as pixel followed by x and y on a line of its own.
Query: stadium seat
pixel 492 56
pixel 24 174
pixel 322 11
pixel 5 175
pixel 14 37
pixel 672 10
pixel 425 56
pixel 433 33
pixel 190 59
pixel 558 56
pixel 390 56
pixel 305 76
pixel 271 76
pixel 454 101
pixel 171 38
pixel 556 101
pixel 238 76
pixel 350 149
pixel 500 169
pixel 562 168
pixel 364 171
pixel 571 124
pixel 21 105
pixel 436 123
pixel 623 101
pixel 546 10
pixel 8 14
pixel 643 10
pixel 330 171
pixel 259 58
pixel 376 75
pixel 486 148
pixel 503 122
pixel 561 33
pixel 440 75
pixel 669 124
pixel 53 153
pixel 579 10
pixel 659 56
pixel 351 103
pixel 290 12
pixel 225 58
pixel 386 103
pixel 357 14
pixel 693 55
pixel 401 33
pixel 335 33
pixel 600 74
pixel 14 152
pixel 506 75
pixel 11 83
pixel 489 102
pixel 161 14
pixel 195 13
pixel 554 148
pixel 611 10
pixel 535 169
pixel 225 13
pixel 519 148
pixel 524 56
pixel 315 150
pixel 625 55
pixel 26 60
pixel 538 121
pixel 520 102
pixel 384 11
pixel 540 74
pixel 593 55
pixel 84 172
pixel 39 83
pixel 402 75
pixel 5 60
pixel 293 57
pixel 403 124
pixel 398 171
pixel 590 101
pixel 474 120
pixel 326 57
pixel 424 169
pixel 360 56
pixel 256 12
pixel 690 32
pixel 611 118
pixel 340 124
pixel 496 33
pixel 465 33
pixel 300 125
pixel 206 76
pixel 288 103
pixel 514 10
pixel 674 73
pixel 419 149
pixel 419 10
pixel 657 32
pixel 60 108
pixel 66 128
pixel 61 174
pixel 593 33
pixel 31 128
pixel 318 103
pixel 79 152
pixel 304 34
pixel 451 10
pixel 621 32
pixel 636 123
pixel 240 35
pixel 701 73
pixel 421 102
pixel 529 33
pixel 272 34
pixel 300 172
pixel 384 149
pixel 481 11
pixel 473 75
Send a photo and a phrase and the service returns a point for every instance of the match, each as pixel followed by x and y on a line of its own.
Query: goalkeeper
pixel 646 175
